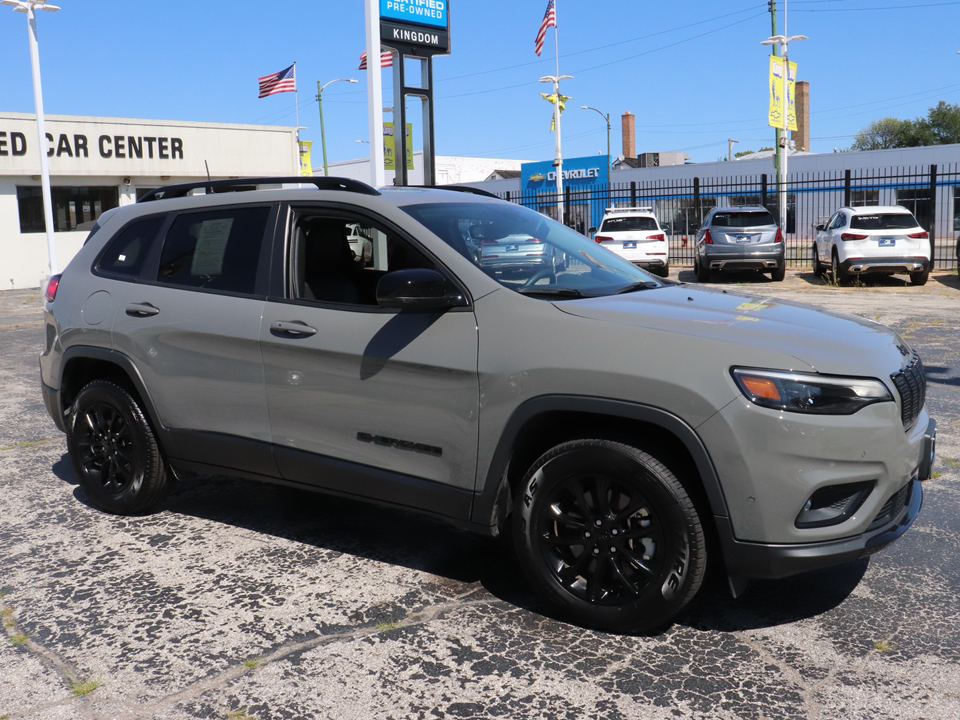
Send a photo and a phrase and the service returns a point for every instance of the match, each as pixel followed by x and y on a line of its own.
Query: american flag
pixel 549 21
pixel 283 81
pixel 386 60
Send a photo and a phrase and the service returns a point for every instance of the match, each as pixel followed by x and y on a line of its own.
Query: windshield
pixel 528 252
pixel 618 224
pixel 743 219
pixel 885 221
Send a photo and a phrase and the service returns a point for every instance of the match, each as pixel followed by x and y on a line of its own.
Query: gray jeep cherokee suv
pixel 626 431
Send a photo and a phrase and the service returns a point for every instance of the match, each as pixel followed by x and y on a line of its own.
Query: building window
pixel 74 208
pixel 862 198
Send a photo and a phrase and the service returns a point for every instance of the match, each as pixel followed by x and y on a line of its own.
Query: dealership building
pixel 100 163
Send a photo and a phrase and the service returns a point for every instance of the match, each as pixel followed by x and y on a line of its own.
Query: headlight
pixel 809 393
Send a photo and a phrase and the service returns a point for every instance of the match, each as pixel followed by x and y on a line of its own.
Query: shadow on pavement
pixel 428 545
pixel 768 603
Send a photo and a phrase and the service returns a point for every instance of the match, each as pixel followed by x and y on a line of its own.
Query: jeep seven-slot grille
pixel 912 386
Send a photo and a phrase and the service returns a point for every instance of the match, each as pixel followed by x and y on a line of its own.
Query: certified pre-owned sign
pixel 416 24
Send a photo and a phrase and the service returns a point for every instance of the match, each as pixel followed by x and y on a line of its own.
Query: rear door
pixel 192 325
pixel 363 400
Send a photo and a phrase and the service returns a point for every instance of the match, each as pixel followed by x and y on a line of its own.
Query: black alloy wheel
pixel 608 534
pixel 114 452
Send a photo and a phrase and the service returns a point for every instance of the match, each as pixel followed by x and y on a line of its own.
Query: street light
pixel 607 118
pixel 558 162
pixel 783 41
pixel 30 7
pixel 323 136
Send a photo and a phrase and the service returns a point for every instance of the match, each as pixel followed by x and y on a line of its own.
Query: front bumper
pixel 753 560
pixel 745 560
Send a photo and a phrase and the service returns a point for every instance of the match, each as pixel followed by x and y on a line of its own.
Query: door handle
pixel 295 328
pixel 142 310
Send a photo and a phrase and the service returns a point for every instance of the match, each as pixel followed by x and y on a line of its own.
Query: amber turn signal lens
pixel 761 387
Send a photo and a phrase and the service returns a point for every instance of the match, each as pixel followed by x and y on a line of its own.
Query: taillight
pixel 489 242
pixel 538 241
pixel 661 237
pixel 707 238
pixel 602 238
pixel 51 292
pixel 852 236
pixel 779 237
pixel 919 235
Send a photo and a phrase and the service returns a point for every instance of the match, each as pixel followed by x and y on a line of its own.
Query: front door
pixel 354 389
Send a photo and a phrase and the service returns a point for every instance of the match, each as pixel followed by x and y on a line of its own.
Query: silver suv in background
pixel 625 432
pixel 739 238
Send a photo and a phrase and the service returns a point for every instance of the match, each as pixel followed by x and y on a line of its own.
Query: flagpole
pixel 556 110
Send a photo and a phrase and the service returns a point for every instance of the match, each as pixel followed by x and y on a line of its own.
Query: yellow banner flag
pixel 306 160
pixel 778 103
pixel 553 100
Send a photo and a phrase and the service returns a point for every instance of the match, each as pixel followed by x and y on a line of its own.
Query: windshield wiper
pixel 554 292
pixel 642 285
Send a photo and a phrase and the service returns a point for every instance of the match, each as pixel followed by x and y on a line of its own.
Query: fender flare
pixel 485 505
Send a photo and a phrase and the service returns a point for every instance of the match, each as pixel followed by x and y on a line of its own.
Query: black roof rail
pixel 459 188
pixel 242 184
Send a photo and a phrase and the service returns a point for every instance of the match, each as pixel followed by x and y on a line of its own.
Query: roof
pixel 503 175
pixel 874 209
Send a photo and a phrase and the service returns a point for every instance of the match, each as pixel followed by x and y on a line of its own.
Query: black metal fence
pixel 932 193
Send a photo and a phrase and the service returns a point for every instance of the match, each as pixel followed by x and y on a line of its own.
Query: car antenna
pixel 209 180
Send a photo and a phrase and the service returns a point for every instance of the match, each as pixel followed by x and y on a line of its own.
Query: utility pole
pixel 730 142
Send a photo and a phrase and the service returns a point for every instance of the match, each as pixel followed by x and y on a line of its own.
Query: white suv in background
pixel 636 236
pixel 873 239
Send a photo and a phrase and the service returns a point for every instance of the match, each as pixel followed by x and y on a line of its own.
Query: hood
pixel 828 342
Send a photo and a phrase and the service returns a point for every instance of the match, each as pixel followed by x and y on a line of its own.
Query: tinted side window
pixel 125 254
pixel 218 250
pixel 341 260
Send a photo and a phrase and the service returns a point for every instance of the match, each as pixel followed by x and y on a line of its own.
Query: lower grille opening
pixel 833 504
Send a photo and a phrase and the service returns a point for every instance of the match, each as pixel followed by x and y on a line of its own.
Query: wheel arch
pixel 82 364
pixel 543 422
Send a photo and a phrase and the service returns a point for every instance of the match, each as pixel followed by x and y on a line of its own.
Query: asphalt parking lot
pixel 241 600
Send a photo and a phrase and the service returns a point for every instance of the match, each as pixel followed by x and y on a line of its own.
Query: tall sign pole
pixel 418 30
pixel 375 93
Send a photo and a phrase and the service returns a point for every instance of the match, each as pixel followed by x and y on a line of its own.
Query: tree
pixel 940 127
pixel 750 152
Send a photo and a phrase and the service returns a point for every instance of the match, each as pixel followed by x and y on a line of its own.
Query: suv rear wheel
pixel 607 533
pixel 703 273
pixel 114 451
pixel 780 272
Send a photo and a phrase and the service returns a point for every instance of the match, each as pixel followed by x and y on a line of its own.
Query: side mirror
pixel 819 228
pixel 418 289
pixel 592 230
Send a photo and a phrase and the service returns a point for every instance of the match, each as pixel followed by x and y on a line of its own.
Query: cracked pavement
pixel 244 600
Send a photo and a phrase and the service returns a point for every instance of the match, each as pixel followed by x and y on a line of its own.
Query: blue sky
pixel 693 73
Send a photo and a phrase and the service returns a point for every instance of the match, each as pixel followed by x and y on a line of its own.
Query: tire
pixel 664 271
pixel 839 275
pixel 607 534
pixel 818 268
pixel 780 273
pixel 920 278
pixel 703 274
pixel 114 451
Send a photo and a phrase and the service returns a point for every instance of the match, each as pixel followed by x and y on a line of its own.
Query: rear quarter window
pixel 124 255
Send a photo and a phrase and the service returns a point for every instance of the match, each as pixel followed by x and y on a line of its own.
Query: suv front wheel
pixel 115 454
pixel 607 533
